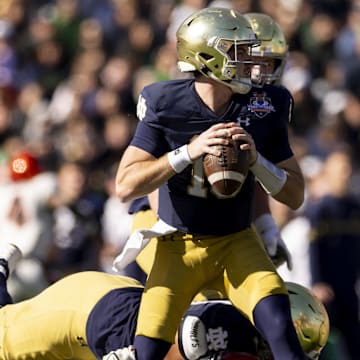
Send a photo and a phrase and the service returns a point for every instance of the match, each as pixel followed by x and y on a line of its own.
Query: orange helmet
pixel 23 166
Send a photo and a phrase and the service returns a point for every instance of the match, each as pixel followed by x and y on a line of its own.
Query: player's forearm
pixel 260 201
pixel 142 178
pixel 283 181
pixel 292 193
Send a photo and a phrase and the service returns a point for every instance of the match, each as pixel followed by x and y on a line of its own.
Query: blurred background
pixel 70 74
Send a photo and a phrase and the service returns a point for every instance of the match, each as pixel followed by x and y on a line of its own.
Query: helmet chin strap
pixel 240 88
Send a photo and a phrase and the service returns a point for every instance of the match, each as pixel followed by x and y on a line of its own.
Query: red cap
pixel 23 166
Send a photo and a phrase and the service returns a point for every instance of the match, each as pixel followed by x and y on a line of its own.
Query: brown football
pixel 227 173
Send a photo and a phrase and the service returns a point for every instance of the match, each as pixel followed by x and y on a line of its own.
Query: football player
pixel 270 57
pixel 92 315
pixel 199 236
pixel 271 54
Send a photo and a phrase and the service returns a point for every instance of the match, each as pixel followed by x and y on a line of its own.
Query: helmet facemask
pixel 236 68
pixel 266 70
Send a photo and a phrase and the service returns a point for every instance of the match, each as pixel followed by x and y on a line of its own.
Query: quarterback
pixel 270 56
pixel 206 237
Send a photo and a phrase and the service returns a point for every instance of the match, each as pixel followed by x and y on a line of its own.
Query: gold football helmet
pixel 310 319
pixel 273 47
pixel 217 42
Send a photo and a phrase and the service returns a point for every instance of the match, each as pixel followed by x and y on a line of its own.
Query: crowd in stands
pixel 70 74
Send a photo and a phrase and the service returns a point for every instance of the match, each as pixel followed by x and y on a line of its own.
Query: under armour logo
pixel 243 121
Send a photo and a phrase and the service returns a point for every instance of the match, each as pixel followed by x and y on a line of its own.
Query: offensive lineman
pixel 90 315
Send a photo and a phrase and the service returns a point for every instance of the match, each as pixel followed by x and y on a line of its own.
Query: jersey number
pixel 197 187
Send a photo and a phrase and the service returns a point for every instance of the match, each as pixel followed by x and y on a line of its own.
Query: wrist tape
pixel 179 159
pixel 271 177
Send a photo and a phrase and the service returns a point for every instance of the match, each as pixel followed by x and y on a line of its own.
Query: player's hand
pixel 282 255
pixel 206 142
pixel 248 143
pixel 271 237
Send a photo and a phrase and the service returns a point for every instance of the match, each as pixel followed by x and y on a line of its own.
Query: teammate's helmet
pixel 310 319
pixel 273 45
pixel 208 42
pixel 193 343
pixel 23 166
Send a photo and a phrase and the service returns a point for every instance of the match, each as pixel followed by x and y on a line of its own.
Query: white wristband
pixel 179 159
pixel 271 177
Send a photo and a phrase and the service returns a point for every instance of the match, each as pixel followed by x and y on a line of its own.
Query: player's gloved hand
pixel 271 237
pixel 127 353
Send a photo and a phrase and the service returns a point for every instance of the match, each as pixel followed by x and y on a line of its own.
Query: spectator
pixel 77 212
pixel 25 219
pixel 336 238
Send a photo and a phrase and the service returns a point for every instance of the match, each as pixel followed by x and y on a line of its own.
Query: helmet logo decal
pixel 260 104
pixel 217 339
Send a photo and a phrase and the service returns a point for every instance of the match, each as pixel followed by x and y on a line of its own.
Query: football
pixel 227 173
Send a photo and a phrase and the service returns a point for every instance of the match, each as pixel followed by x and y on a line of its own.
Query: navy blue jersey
pixel 140 204
pixel 171 113
pixel 112 322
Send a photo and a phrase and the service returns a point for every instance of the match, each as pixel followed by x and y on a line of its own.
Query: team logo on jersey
pixel 260 105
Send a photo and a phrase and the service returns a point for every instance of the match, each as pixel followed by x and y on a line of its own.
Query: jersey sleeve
pixel 278 147
pixel 148 135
